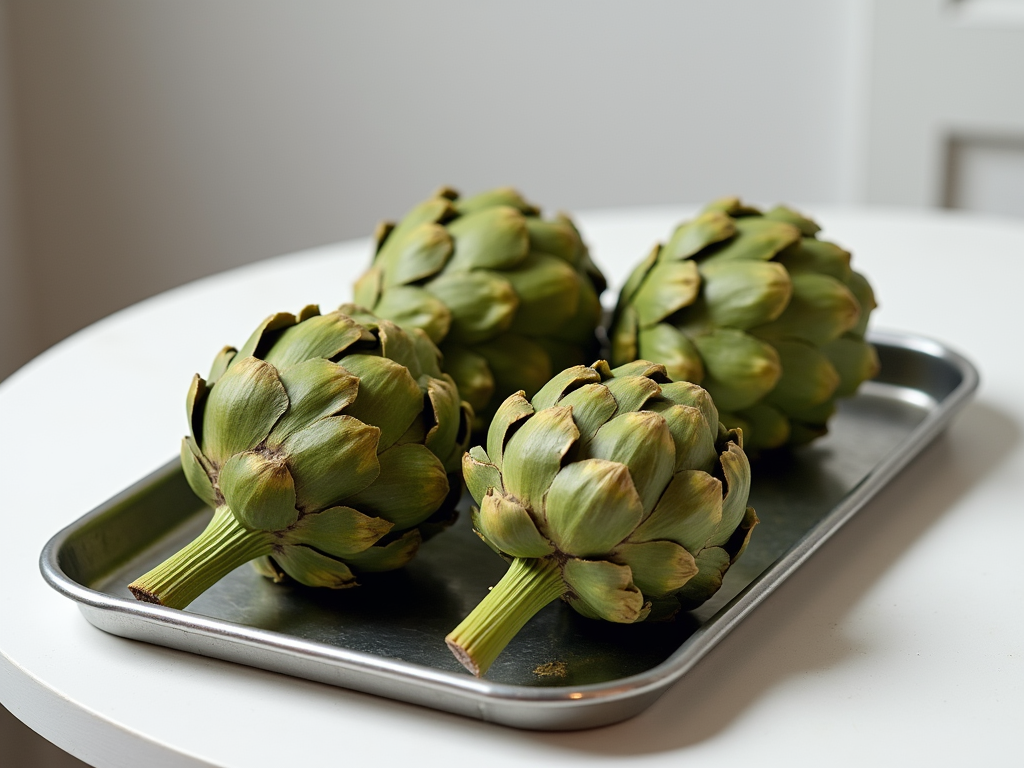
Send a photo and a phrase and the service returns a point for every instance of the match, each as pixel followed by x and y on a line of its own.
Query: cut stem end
pixel 528 586
pixel 218 550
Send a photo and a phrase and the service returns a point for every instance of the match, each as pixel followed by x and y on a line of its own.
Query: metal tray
pixel 562 671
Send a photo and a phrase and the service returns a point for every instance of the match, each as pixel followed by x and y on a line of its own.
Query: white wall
pixel 946 93
pixel 164 141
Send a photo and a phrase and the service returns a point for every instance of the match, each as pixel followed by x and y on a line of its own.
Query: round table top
pixel 901 639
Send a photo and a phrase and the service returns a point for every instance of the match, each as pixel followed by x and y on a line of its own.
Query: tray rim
pixel 477 696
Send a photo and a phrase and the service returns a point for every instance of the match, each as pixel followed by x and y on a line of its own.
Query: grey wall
pixel 162 141
pixel 18 340
pixel 945 113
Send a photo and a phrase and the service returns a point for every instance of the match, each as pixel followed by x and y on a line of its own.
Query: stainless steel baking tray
pixel 562 671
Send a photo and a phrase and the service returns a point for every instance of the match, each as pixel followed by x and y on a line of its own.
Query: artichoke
pixel 757 310
pixel 324 446
pixel 616 490
pixel 509 297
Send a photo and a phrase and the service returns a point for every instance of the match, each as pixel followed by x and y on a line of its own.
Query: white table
pixel 900 642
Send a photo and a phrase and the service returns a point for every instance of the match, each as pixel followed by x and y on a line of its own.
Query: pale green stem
pixel 528 586
pixel 218 550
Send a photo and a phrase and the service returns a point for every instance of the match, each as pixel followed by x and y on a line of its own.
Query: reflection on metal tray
pixel 562 671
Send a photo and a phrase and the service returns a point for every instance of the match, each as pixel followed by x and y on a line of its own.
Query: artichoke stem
pixel 528 586
pixel 218 550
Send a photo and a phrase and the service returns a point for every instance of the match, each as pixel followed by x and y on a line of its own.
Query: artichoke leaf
pixel 316 388
pixel 632 392
pixel 480 474
pixel 668 287
pixel 821 309
pixel 517 362
pixel 509 416
pixel 388 396
pixel 637 276
pixel 641 367
pixel 508 525
pixel 312 568
pixel 436 209
pixel 642 441
pixel 332 459
pixel 733 206
pixel 592 505
pixel 736 470
pixel 367 289
pixel 767 427
pixel 737 545
pixel 783 213
pixel 404 348
pixel 339 531
pixel 605 588
pixel 739 369
pixel 555 238
pixel 413 307
pixel 548 291
pixel 808 378
pixel 220 364
pixel 260 491
pixel 320 336
pixel 471 373
pixel 712 563
pixel 265 566
pixel 256 342
pixel 562 384
pixel 499 196
pixel 194 402
pixel 855 361
pixel 196 473
pixel 757 239
pixel 820 256
pixel 659 567
pixel 242 409
pixel 744 294
pixel 445 408
pixel 623 335
pixel 694 441
pixel 411 485
pixel 686 393
pixel 534 454
pixel 592 406
pixel 489 238
pixel 688 513
pixel 673 348
pixel 862 290
pixel 395 554
pixel 692 237
pixel 416 254
pixel 579 328
pixel 482 304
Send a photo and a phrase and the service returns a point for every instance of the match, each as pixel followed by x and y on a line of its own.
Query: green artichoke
pixel 324 446
pixel 616 490
pixel 509 297
pixel 757 310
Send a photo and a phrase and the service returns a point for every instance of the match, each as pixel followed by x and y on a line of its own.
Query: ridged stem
pixel 217 551
pixel 528 586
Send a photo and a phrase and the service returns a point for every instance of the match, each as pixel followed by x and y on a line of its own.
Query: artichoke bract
pixel 324 446
pixel 510 298
pixel 617 490
pixel 757 310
